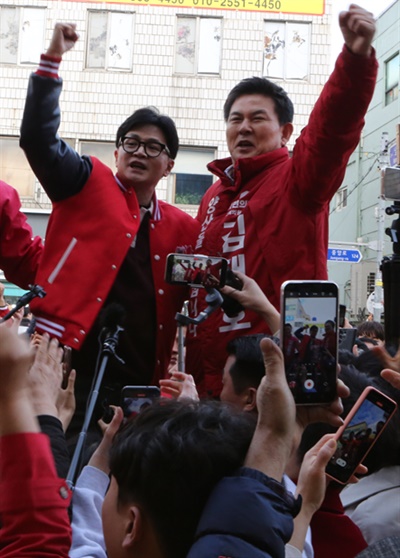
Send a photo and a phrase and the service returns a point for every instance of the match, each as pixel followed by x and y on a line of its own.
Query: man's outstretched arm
pixel 36 522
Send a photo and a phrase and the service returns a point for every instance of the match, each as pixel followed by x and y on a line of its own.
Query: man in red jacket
pixel 108 236
pixel 268 212
pixel 19 252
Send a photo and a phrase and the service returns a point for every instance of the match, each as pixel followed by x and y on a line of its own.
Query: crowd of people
pixel 223 464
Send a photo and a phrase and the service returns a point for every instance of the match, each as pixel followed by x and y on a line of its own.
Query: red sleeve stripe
pixel 48 66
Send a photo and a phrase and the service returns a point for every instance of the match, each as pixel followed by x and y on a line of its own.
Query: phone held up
pixel 196 270
pixel 66 365
pixel 309 339
pixel 361 429
pixel 135 399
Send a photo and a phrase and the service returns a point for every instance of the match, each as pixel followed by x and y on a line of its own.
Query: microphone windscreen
pixel 111 316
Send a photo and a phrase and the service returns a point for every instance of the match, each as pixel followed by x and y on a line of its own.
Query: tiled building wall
pixel 95 102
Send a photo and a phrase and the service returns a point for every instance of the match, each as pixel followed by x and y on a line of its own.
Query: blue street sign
pixel 344 255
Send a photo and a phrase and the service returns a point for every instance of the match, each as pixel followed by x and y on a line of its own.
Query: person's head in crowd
pixel 287 330
pixel 371 330
pixel 243 372
pixel 329 326
pixel 313 331
pixel 258 115
pixel 164 465
pixel 146 146
pixel 363 344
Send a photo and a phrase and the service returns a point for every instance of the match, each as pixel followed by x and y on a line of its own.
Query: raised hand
pixel 358 29
pixel 63 39
pixel 180 386
pixel 272 442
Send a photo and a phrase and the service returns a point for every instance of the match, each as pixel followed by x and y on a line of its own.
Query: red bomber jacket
pixel 81 261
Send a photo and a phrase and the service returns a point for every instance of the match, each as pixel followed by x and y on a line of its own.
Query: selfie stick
pixel 34 291
pixel 390 267
pixel 214 300
pixel 113 315
pixel 181 348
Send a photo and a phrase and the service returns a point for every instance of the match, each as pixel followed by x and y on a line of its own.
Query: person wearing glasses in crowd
pixel 108 235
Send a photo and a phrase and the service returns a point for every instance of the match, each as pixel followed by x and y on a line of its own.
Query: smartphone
pixel 135 399
pixel 196 270
pixel 309 339
pixel 66 365
pixel 347 338
pixel 342 314
pixel 361 429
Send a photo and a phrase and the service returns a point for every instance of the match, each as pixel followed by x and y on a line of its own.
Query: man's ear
pixel 169 168
pixel 287 131
pixel 116 157
pixel 251 399
pixel 133 527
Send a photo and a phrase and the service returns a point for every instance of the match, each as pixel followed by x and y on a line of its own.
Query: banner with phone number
pixel 305 7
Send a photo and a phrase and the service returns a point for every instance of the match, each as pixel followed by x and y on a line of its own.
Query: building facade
pixel 355 217
pixel 177 55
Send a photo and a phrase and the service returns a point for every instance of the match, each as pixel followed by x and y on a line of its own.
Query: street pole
pixel 380 215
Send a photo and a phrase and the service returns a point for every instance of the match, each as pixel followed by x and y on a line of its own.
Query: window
pixel 370 283
pixel 341 199
pixel 190 175
pixel 14 167
pixel 109 42
pixel 198 45
pixel 104 151
pixel 21 35
pixel 392 69
pixel 286 50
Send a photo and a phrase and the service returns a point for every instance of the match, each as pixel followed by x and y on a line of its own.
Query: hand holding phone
pixel 360 431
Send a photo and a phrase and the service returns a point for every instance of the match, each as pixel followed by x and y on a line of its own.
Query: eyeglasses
pixel 151 148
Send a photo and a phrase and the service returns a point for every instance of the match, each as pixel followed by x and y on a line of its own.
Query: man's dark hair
pixel 248 369
pixel 314 328
pixel 170 457
pixel 262 86
pixel 151 115
pixel 374 330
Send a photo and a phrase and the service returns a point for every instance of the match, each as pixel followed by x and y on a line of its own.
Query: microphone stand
pixel 109 348
pixel 34 291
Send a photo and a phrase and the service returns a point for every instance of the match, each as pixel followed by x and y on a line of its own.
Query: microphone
pixel 34 291
pixel 111 320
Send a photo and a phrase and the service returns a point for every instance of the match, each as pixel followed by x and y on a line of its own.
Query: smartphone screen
pixel 309 339
pixel 196 270
pixel 362 428
pixel 135 399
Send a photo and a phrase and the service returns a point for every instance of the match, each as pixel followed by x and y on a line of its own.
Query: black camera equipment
pixel 34 291
pixel 390 268
pixel 112 317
